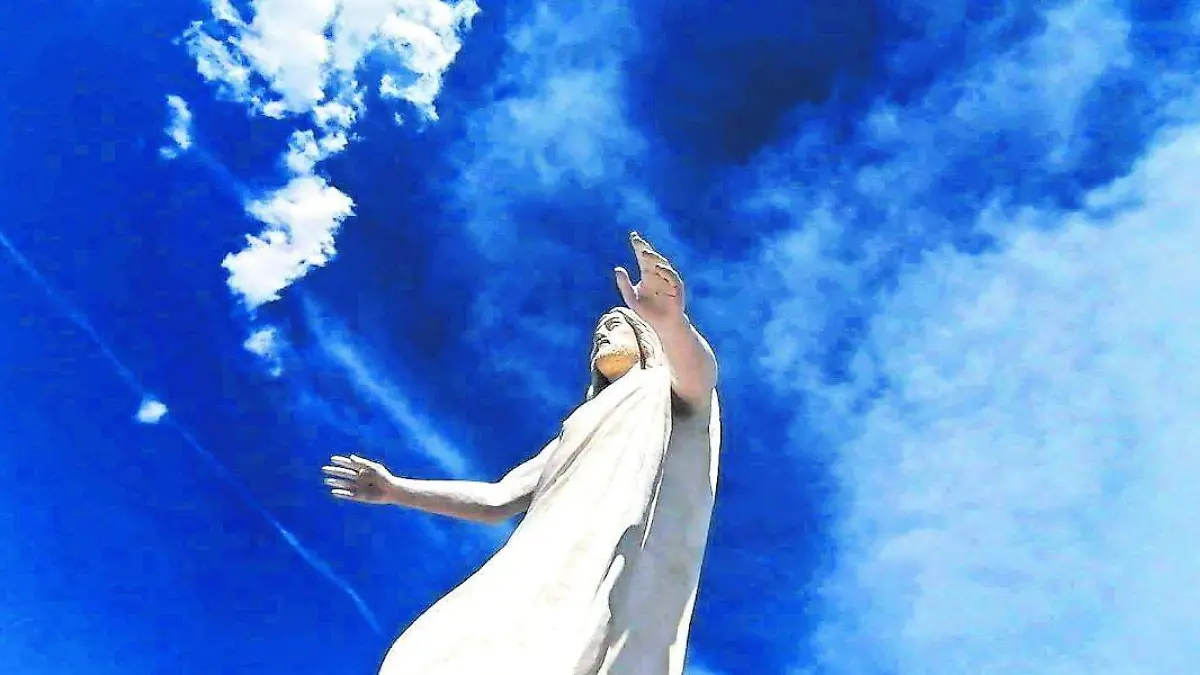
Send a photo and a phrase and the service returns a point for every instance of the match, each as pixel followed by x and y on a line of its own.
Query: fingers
pixel 650 258
pixel 353 478
pixel 355 463
pixel 343 488
pixel 668 274
pixel 364 463
pixel 339 472
pixel 669 279
pixel 646 255
pixel 625 285
pixel 658 276
pixel 639 242
pixel 345 462
pixel 340 475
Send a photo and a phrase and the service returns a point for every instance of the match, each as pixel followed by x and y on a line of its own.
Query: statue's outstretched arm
pixel 363 480
pixel 464 499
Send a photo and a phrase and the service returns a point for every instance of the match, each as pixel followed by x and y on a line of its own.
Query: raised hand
pixel 658 296
pixel 358 479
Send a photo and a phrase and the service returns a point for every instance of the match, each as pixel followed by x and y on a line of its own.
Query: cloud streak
pixel 153 410
pixel 337 346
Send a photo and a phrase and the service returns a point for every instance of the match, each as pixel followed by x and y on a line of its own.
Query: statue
pixel 600 576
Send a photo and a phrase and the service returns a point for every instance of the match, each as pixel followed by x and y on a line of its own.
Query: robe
pixel 600 576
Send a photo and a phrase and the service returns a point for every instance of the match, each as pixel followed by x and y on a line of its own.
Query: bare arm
pixel 363 480
pixel 693 365
pixel 473 500
pixel 464 499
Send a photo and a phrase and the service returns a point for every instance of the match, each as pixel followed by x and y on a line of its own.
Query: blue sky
pixel 945 254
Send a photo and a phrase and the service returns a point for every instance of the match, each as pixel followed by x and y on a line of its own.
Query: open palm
pixel 358 479
pixel 658 295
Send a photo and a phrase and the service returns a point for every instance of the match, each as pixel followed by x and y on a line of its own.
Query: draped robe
pixel 600 576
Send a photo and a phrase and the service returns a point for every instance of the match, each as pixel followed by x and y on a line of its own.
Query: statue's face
pixel 614 346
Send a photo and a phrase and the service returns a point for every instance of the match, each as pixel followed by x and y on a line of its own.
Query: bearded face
pixel 614 346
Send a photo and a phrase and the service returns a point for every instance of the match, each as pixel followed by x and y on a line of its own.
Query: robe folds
pixel 600 576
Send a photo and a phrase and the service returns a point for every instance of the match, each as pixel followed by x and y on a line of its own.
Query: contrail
pixel 224 176
pixel 73 314
pixel 308 556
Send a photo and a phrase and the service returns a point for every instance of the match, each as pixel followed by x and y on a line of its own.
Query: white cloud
pixel 1019 499
pixel 179 128
pixel 1035 89
pixel 292 56
pixel 556 125
pixel 562 120
pixel 1044 81
pixel 151 411
pixel 1011 440
pixel 302 219
pixel 267 343
pixel 305 150
pixel 300 58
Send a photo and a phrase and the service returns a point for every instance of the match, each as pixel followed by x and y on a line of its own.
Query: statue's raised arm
pixel 600 576
pixel 659 297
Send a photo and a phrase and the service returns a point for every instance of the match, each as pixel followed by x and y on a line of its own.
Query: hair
pixel 649 349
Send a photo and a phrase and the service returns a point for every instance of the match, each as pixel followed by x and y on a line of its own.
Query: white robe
pixel 600 577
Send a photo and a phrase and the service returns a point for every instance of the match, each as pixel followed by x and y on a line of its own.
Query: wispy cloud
pixel 1002 131
pixel 1016 499
pixel 179 128
pixel 300 60
pixel 554 135
pixel 561 121
pixel 370 382
pixel 1007 412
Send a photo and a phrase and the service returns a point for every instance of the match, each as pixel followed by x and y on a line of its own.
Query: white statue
pixel 600 576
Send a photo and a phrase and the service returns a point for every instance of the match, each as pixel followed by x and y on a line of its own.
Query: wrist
pixel 396 491
pixel 671 324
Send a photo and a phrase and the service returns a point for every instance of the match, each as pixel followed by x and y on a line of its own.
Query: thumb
pixel 625 285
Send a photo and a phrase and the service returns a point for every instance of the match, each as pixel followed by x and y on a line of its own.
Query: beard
pixel 613 361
